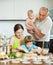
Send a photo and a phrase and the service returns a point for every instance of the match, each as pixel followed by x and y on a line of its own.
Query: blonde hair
pixel 29 12
pixel 28 39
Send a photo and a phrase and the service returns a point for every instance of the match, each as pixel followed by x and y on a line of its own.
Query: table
pixel 19 61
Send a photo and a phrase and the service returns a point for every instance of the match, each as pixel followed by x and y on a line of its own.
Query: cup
pixel 45 51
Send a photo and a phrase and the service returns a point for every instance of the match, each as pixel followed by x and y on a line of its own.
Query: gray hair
pixel 44 9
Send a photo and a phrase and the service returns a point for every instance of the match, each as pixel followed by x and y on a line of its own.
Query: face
pixel 29 44
pixel 31 15
pixel 19 33
pixel 42 14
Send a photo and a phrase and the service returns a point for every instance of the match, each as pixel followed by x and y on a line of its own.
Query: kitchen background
pixel 15 11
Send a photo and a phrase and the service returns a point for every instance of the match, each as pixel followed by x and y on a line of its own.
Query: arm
pixel 22 41
pixel 22 49
pixel 45 29
pixel 33 34
pixel 38 32
pixel 34 31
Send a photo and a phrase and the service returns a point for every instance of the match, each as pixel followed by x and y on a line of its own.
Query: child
pixel 30 23
pixel 30 20
pixel 28 46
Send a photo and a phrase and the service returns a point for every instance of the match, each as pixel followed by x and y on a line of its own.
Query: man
pixel 41 28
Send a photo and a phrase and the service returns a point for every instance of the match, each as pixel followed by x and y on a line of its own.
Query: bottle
pixel 1 46
pixel 5 39
pixel 0 40
pixel 8 49
pixel 4 45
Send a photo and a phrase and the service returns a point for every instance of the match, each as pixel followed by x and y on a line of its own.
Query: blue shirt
pixel 28 49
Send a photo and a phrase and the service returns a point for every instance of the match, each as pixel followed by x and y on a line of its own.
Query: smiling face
pixel 19 33
pixel 18 30
pixel 30 14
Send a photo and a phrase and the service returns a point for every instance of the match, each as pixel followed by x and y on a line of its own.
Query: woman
pixel 17 39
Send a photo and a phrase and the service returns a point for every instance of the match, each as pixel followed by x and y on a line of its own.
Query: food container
pixel 15 61
pixel 26 62
pixel 37 62
pixel 45 50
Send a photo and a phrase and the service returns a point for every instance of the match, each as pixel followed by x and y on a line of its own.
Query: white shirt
pixel 45 27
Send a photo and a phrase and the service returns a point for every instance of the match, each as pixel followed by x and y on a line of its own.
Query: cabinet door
pixel 51 46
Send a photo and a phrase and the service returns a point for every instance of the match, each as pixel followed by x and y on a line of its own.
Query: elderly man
pixel 41 28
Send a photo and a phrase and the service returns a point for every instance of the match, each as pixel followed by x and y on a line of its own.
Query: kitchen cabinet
pixel 51 46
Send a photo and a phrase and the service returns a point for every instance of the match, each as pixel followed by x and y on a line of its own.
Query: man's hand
pixel 38 19
pixel 30 31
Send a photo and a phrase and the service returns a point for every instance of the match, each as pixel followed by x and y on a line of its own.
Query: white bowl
pixel 37 62
pixel 26 62
pixel 43 57
pixel 45 51
pixel 15 61
pixel 19 59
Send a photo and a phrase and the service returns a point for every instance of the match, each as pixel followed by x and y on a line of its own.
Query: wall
pixel 7 27
pixel 17 9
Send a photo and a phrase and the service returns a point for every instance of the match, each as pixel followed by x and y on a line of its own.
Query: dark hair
pixel 17 27
pixel 28 39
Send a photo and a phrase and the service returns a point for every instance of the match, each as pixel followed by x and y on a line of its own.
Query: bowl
pixel 45 51
pixel 26 62
pixel 37 62
pixel 15 61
